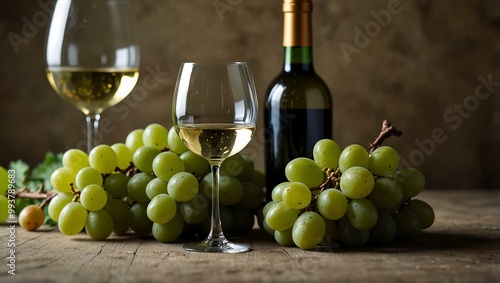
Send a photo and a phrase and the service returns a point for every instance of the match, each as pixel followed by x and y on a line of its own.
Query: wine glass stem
pixel 92 130
pixel 216 233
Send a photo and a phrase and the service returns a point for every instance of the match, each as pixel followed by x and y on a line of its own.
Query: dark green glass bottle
pixel 298 110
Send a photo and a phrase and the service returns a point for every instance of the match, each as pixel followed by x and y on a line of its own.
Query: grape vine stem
pixel 38 194
pixel 387 131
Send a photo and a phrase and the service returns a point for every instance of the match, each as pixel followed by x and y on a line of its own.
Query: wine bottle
pixel 298 110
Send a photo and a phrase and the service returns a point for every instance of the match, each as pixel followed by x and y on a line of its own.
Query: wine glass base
pixel 217 246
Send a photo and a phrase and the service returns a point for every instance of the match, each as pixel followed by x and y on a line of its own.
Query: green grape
pixel 57 203
pixel 161 209
pixel 331 233
pixel 116 184
pixel 326 153
pixel 88 176
pixel 350 236
pixel 243 220
pixel 297 195
pixel 62 178
pixel 353 155
pixel 268 206
pixel 357 182
pixel 384 231
pixel 166 165
pixel 143 158
pixel 413 182
pixel 134 140
pixel 195 210
pixel 304 170
pixel 332 204
pixel 183 186
pixel 408 225
pixel 260 217
pixel 230 188
pixel 117 209
pixel 424 212
pixel 103 158
pixel 99 225
pixel 108 195
pixel 175 142
pixel 383 161
pixel 137 186
pixel 120 228
pixel 155 187
pixel 281 217
pixel 258 178
pixel 170 231
pixel 123 154
pixel 308 230
pixel 194 163
pixel 266 227
pixel 155 135
pixel 138 219
pixel 4 208
pixel 4 181
pixel 246 173
pixel 387 193
pixel 72 218
pixel 233 165
pixel 93 197
pixel 252 196
pixel 75 159
pixel 284 238
pixel 277 193
pixel 362 214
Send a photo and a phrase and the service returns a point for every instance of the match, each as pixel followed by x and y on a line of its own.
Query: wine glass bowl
pixel 215 112
pixel 92 57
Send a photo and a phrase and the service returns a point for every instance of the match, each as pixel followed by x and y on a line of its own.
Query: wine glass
pixel 215 112
pixel 92 56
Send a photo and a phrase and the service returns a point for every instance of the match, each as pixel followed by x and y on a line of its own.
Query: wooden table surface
pixel 463 245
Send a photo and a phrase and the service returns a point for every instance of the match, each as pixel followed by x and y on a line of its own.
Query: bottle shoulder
pixel 298 90
pixel 308 79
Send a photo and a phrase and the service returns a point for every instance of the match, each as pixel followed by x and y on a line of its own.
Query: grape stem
pixel 387 131
pixel 332 179
pixel 76 193
pixel 129 171
pixel 38 194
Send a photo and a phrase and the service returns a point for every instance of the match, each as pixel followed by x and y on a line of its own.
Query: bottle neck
pixel 298 59
pixel 297 35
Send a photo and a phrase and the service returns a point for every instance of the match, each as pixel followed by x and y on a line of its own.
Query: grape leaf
pixel 43 171
pixel 21 170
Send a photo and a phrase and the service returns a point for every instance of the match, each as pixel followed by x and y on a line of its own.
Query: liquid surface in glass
pixel 216 141
pixel 92 90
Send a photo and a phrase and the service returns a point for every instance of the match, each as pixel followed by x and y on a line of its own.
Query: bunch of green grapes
pixel 347 196
pixel 151 185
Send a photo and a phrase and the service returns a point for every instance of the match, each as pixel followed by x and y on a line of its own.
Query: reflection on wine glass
pixel 215 113
pixel 92 56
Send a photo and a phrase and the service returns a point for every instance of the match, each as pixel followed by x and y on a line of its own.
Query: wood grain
pixel 463 245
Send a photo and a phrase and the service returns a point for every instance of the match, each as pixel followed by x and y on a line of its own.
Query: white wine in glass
pixel 215 113
pixel 92 56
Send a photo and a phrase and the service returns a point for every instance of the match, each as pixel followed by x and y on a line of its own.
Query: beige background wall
pixel 420 68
